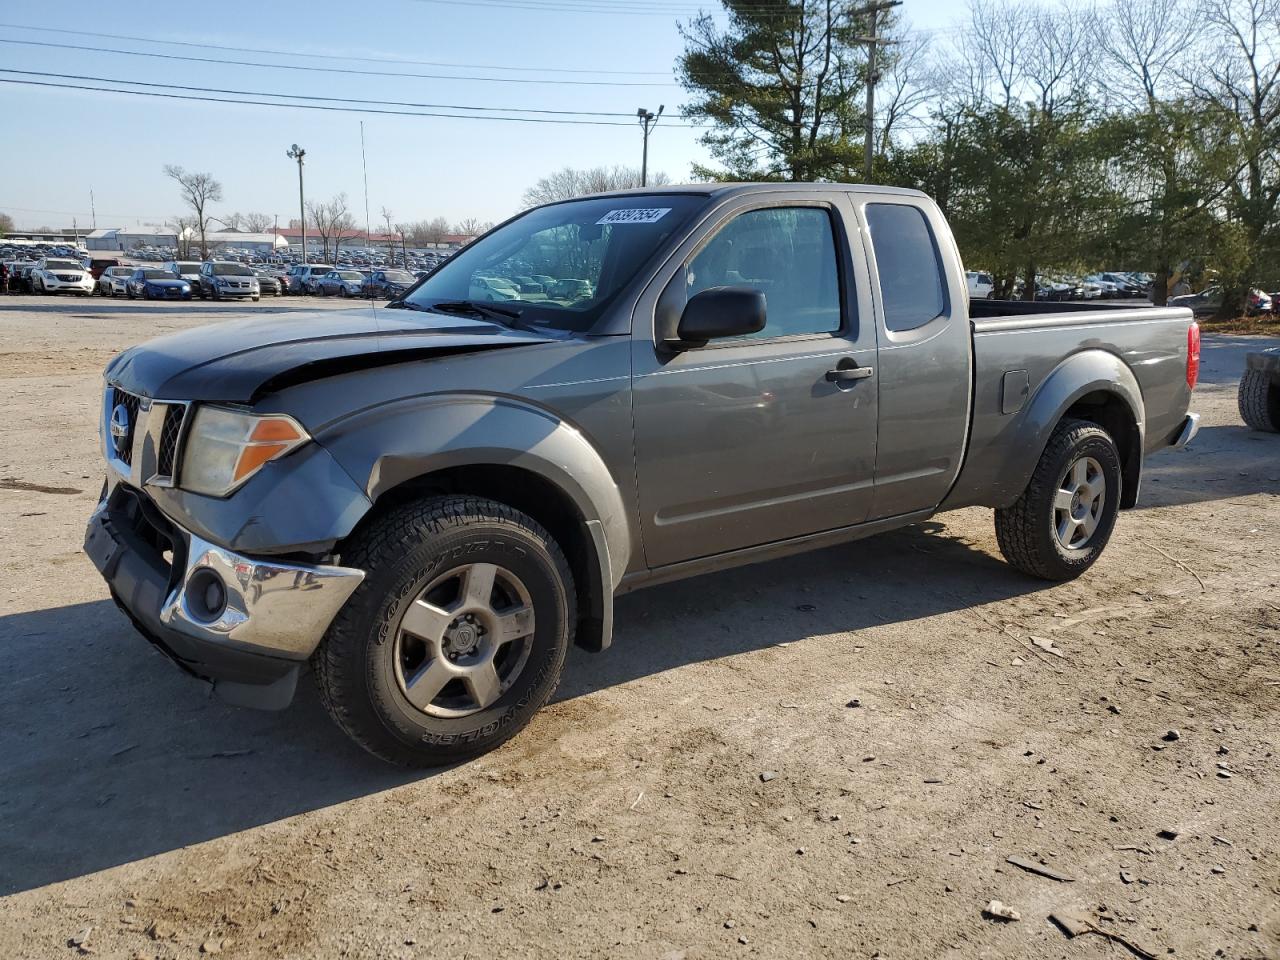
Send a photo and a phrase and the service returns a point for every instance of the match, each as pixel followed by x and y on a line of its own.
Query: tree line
pixel 1141 135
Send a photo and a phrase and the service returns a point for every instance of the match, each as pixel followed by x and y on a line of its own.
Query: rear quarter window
pixel 911 279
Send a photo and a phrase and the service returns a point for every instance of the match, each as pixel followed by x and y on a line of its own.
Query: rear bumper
pixel 252 642
pixel 1187 432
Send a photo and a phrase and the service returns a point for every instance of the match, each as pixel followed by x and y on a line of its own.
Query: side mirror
pixel 721 312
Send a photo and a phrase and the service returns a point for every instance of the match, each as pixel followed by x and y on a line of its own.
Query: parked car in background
pixel 980 284
pixel 1208 302
pixel 269 284
pixel 342 283
pixel 155 283
pixel 227 279
pixel 571 290
pixel 114 281
pixel 61 276
pixel 97 265
pixel 492 289
pixel 188 270
pixel 303 277
pixel 391 283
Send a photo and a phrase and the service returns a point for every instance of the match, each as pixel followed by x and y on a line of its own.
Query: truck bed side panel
pixel 1138 354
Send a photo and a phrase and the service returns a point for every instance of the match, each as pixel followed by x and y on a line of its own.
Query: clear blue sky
pixel 60 144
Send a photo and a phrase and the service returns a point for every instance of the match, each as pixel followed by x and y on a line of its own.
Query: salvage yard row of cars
pixel 207 280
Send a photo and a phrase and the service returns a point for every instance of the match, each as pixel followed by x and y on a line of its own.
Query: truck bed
pixel 1020 351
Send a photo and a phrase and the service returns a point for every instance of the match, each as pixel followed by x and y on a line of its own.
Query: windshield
pixel 398 276
pixel 188 267
pixel 561 265
pixel 351 275
pixel 156 275
pixel 231 270
pixel 62 265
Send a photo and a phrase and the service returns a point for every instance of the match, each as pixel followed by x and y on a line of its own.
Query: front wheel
pixel 1060 525
pixel 457 635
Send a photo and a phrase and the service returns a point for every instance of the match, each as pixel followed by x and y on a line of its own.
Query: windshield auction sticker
pixel 638 215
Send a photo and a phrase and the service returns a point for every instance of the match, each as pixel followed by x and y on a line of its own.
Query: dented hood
pixel 241 360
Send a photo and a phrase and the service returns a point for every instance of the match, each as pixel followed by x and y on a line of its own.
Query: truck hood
pixel 241 360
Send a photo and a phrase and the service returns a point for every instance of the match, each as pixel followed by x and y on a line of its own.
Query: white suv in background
pixel 61 275
pixel 980 285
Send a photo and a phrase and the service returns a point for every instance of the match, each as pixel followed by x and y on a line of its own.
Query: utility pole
pixel 297 153
pixel 649 120
pixel 873 41
pixel 92 210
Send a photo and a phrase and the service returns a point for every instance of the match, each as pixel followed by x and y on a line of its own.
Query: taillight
pixel 1193 355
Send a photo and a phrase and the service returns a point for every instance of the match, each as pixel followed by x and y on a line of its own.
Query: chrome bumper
pixel 261 607
pixel 1190 427
pixel 281 609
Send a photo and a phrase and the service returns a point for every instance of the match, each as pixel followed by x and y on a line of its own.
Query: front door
pixel 747 440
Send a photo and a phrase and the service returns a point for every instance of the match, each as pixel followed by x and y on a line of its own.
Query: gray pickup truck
pixel 429 502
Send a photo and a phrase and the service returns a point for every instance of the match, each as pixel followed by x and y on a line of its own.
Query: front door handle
pixel 849 374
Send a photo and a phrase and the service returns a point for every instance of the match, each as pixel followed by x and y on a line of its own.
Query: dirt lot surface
pixel 831 755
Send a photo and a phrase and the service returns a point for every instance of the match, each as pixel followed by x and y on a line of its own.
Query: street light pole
pixel 648 120
pixel 297 153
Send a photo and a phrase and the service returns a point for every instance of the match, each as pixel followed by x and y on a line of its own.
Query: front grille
pixel 170 433
pixel 131 403
pixel 67 277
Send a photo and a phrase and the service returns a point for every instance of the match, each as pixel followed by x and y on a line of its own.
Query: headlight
pixel 225 448
pixel 220 281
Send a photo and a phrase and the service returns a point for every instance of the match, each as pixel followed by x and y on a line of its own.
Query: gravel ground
pixel 829 755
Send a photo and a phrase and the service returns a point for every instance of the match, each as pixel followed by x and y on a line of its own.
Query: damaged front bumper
pixel 246 624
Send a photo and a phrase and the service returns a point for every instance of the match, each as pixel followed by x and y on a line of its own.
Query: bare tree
pixel 569 183
pixel 258 222
pixel 468 227
pixel 904 88
pixel 1241 83
pixel 1143 54
pixel 198 190
pixel 333 222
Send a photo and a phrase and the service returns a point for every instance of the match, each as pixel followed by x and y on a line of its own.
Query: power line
pixel 308 96
pixel 328 56
pixel 310 106
pixel 342 70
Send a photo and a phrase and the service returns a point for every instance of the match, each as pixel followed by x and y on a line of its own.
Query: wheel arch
pixel 1098 387
pixel 529 460
pixel 1093 385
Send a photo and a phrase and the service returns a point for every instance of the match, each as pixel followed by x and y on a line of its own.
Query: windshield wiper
pixel 490 310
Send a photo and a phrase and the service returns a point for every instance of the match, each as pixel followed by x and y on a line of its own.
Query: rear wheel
pixel 1060 525
pixel 456 637
pixel 1259 401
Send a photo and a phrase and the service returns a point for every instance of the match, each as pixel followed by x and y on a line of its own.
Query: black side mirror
pixel 721 312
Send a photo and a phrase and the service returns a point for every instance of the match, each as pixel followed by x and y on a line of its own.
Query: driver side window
pixel 789 253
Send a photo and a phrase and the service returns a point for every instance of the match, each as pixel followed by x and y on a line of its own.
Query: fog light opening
pixel 206 595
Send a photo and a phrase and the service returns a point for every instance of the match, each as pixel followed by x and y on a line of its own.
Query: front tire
pixel 457 636
pixel 1259 401
pixel 1061 524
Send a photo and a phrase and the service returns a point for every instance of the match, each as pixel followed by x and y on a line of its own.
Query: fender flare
pixel 1078 376
pixel 388 445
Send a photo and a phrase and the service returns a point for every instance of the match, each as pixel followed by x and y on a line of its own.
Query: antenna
pixel 368 224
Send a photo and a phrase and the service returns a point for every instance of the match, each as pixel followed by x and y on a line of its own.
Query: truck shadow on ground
pixel 114 756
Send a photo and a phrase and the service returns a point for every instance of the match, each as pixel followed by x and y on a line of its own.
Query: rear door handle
pixel 849 374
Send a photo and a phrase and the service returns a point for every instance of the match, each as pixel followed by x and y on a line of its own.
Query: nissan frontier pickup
pixel 428 502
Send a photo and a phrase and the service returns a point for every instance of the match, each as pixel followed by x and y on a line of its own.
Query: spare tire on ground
pixel 1259 395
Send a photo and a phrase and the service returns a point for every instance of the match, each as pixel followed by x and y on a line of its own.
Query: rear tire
pixel 1259 400
pixel 368 660
pixel 1059 526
